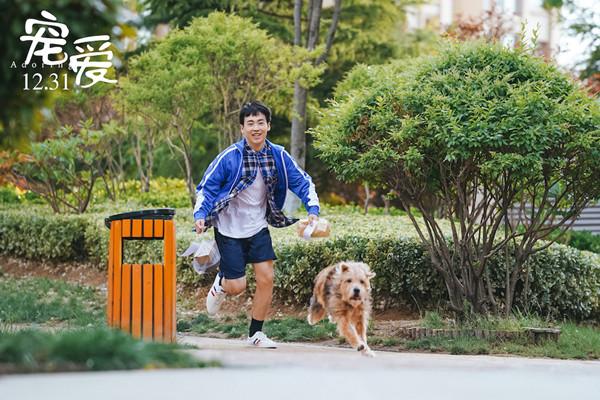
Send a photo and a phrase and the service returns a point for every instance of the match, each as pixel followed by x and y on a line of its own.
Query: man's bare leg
pixel 261 303
pixel 234 286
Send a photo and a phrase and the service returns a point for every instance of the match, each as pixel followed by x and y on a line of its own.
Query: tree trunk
pixel 298 145
pixel 298 137
pixel 109 191
pixel 300 93
pixel 299 125
pixel 149 163
pixel 139 162
pixel 188 178
pixel 367 197
pixel 386 204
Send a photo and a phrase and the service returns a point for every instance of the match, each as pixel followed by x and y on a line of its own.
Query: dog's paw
pixel 309 319
pixel 367 352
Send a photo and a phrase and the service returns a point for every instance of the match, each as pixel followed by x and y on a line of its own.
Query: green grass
pixel 460 345
pixel 202 324
pixel 87 349
pixel 42 300
pixel 296 329
pixel 284 329
pixel 518 322
pixel 433 320
pixel 575 341
pixel 578 342
pixel 385 341
pixel 513 323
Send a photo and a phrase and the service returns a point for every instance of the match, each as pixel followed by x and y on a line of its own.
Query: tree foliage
pixel 368 30
pixel 64 169
pixel 478 129
pixel 204 73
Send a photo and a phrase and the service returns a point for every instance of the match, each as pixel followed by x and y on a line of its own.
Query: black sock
pixel 255 326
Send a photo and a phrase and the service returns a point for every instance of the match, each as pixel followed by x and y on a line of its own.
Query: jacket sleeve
pixel 300 183
pixel 209 187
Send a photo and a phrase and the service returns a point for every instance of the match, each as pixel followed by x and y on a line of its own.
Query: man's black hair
pixel 254 108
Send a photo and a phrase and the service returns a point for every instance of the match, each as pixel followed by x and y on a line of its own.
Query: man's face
pixel 255 130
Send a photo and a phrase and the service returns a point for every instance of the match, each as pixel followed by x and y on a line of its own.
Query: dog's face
pixel 354 280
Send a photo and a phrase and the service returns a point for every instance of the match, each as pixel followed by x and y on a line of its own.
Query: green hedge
pixel 164 192
pixel 42 237
pixel 564 281
pixel 584 240
pixel 45 236
pixel 404 276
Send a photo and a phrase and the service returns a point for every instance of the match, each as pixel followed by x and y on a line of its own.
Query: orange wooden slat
pixel 126 298
pixel 169 281
pixel 158 302
pixel 136 228
pixel 158 228
pixel 117 260
pixel 136 301
pixel 147 323
pixel 109 297
pixel 148 228
pixel 126 231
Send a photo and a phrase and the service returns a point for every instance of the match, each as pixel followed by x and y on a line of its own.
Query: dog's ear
pixel 371 275
pixel 342 267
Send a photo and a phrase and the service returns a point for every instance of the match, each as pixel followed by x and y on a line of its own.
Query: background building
pixel 442 14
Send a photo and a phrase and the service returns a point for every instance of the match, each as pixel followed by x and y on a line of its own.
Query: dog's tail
pixel 316 311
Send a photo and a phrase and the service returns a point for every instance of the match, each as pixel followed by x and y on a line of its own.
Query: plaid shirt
pixel 252 160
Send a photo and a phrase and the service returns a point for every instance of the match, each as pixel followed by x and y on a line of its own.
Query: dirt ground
pixel 70 272
pixel 191 300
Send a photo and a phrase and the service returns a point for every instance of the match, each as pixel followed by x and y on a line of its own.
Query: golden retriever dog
pixel 343 292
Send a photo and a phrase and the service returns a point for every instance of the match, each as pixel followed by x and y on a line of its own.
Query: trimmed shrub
pixel 404 273
pixel 42 237
pixel 164 192
pixel 564 282
pixel 8 195
pixel 584 241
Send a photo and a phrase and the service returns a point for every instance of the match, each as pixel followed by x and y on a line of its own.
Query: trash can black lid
pixel 158 213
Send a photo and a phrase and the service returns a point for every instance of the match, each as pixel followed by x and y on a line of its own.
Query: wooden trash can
pixel 141 297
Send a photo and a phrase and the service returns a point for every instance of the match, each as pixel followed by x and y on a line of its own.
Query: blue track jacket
pixel 224 173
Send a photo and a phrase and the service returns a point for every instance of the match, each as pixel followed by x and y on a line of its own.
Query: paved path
pixel 307 372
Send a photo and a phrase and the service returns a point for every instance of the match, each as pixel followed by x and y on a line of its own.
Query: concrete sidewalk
pixel 307 372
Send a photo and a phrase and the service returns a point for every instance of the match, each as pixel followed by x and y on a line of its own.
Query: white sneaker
pixel 215 297
pixel 259 339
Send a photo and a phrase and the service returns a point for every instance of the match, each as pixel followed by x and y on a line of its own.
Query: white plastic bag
pixel 205 252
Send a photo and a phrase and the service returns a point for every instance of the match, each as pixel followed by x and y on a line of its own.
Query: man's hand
pixel 199 226
pixel 313 219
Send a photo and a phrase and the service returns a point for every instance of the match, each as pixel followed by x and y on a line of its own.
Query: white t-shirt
pixel 246 214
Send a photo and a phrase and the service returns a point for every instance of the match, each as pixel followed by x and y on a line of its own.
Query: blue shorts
pixel 236 253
